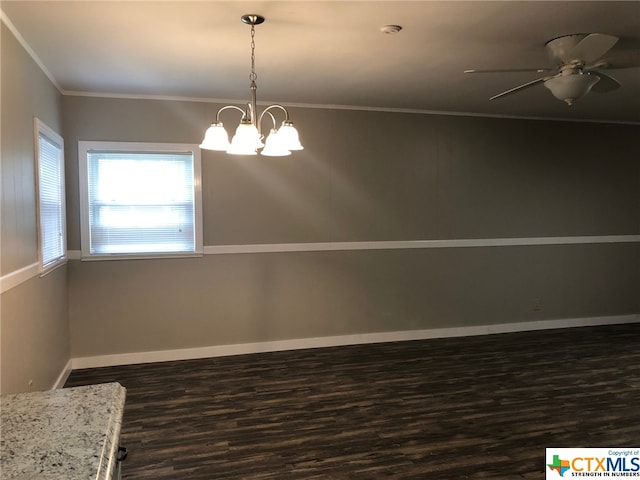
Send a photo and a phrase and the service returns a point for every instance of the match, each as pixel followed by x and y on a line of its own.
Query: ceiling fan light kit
pixel 576 72
pixel 248 138
pixel 570 88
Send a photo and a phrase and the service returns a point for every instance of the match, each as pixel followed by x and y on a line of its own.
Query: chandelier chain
pixel 253 77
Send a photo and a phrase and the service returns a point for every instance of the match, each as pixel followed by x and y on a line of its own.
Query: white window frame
pixel 84 147
pixel 41 129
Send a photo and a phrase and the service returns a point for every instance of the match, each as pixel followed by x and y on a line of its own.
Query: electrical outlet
pixel 536 305
pixel 30 385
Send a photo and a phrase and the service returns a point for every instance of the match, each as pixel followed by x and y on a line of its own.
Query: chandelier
pixel 248 138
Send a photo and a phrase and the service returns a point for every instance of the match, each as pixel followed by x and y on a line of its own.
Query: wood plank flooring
pixel 447 409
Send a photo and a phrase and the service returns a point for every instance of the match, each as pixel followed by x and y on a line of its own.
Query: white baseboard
pixel 342 340
pixel 64 374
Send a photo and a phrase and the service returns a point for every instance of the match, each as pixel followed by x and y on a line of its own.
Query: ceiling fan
pixel 577 64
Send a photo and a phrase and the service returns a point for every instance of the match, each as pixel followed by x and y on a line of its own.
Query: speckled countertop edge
pixel 70 434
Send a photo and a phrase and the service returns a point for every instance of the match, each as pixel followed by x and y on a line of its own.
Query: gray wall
pixel 34 315
pixel 367 176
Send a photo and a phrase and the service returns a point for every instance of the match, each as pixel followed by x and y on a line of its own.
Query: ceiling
pixel 330 53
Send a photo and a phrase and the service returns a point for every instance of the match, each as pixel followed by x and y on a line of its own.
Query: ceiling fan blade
pixel 611 65
pixel 524 86
pixel 592 47
pixel 537 70
pixel 606 83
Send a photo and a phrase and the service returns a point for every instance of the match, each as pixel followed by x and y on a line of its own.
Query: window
pixel 139 200
pixel 49 156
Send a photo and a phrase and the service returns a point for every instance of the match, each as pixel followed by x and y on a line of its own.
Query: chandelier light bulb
pixel 215 138
pixel 274 146
pixel 289 137
pixel 246 141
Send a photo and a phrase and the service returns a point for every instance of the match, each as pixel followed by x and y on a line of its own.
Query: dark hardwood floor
pixel 458 408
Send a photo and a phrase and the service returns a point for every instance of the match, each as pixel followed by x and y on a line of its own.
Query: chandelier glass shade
pixel 248 138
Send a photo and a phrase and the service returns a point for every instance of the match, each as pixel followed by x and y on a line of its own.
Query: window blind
pixel 141 202
pixel 51 201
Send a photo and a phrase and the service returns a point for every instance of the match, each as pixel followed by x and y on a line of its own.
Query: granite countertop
pixel 66 434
